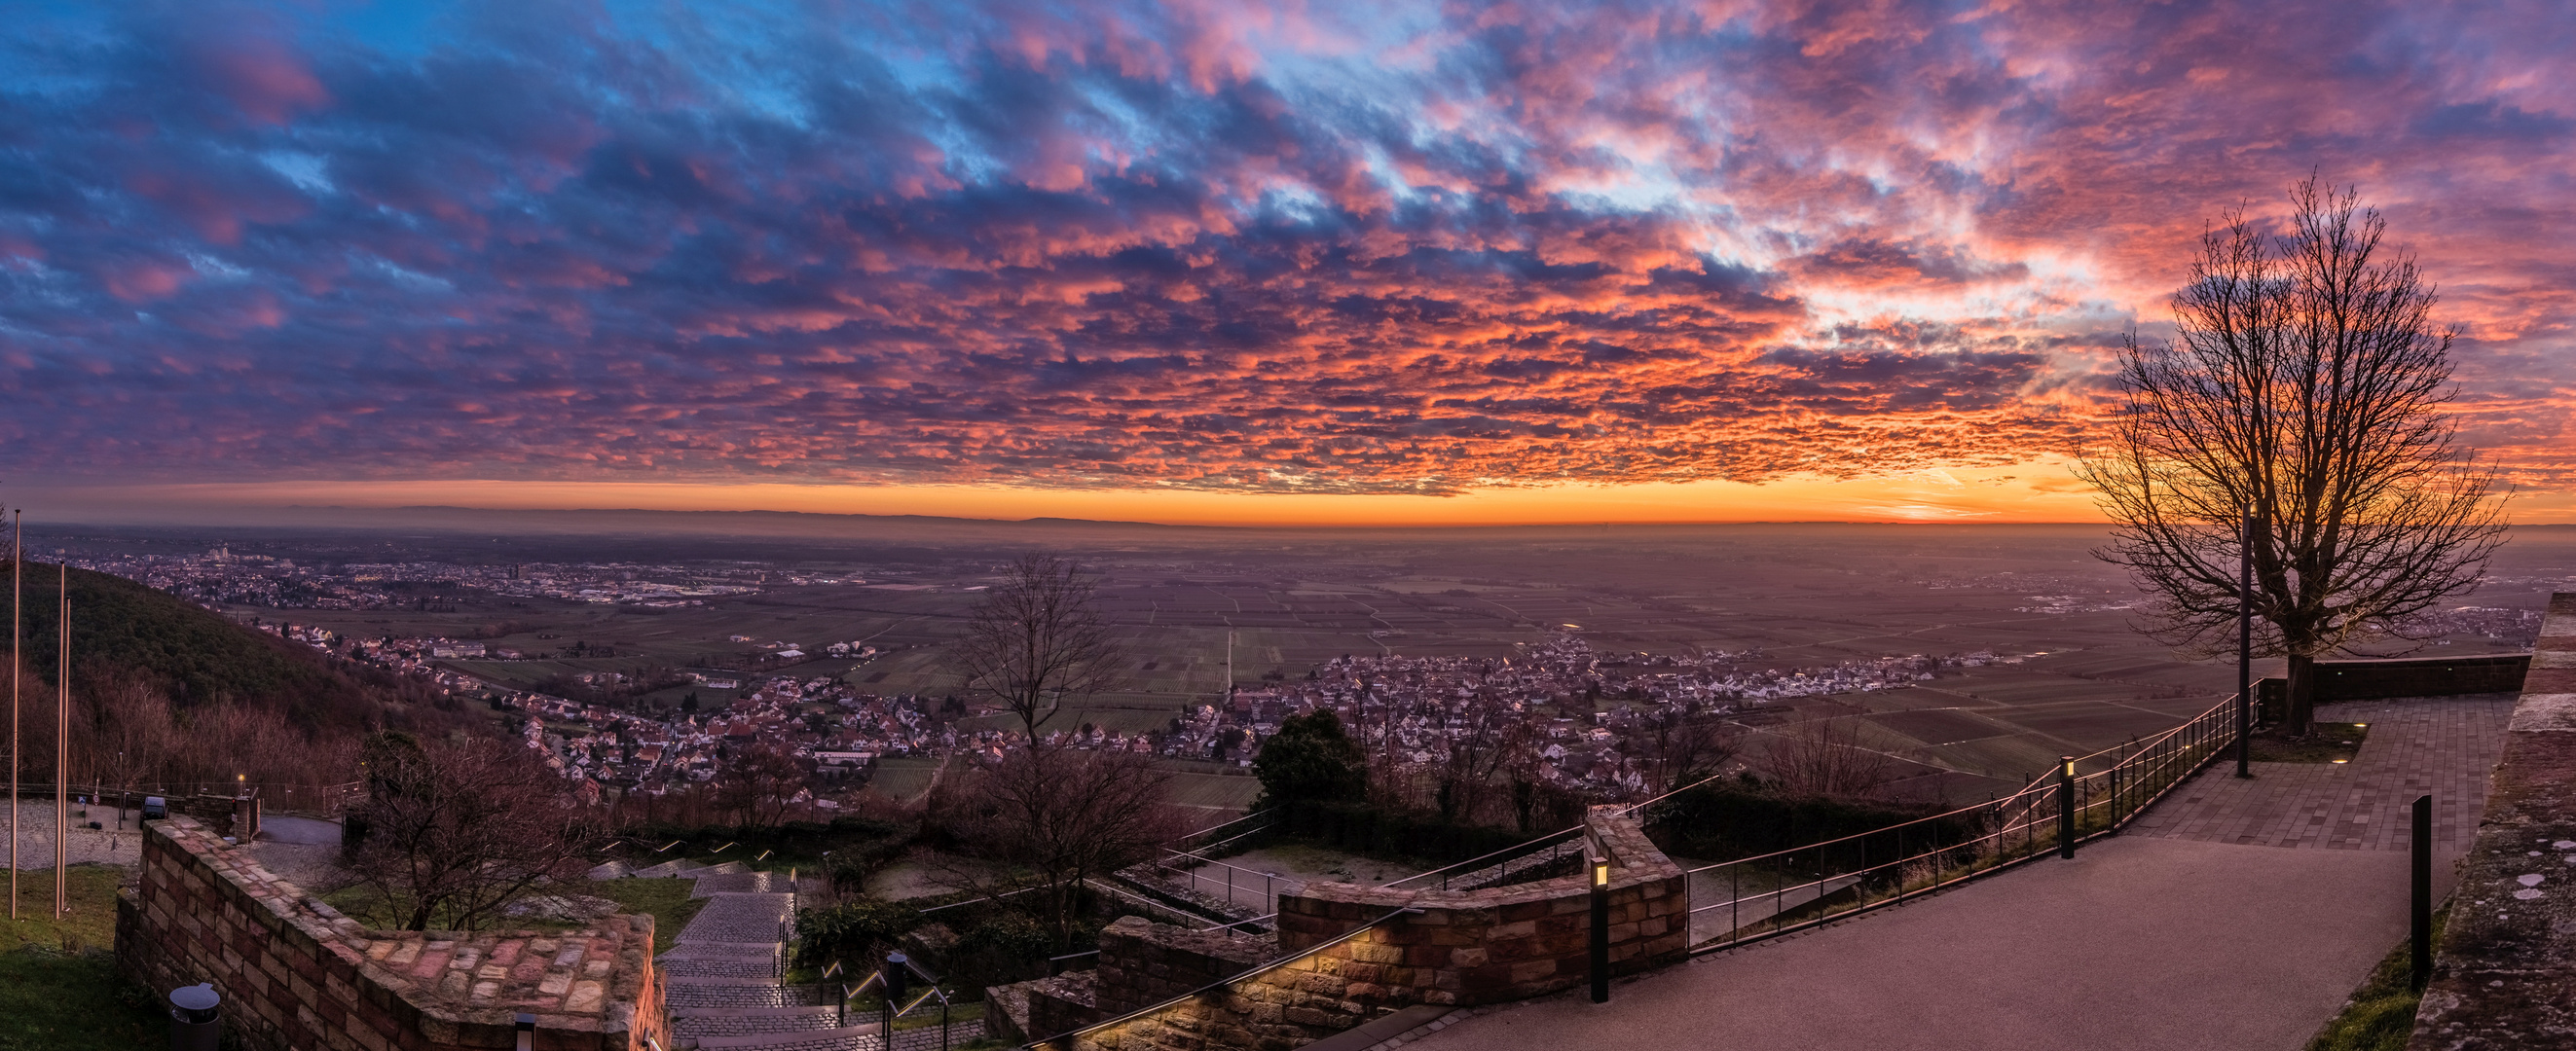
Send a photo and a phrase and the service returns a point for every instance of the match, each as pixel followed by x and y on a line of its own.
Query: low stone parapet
pixel 295 973
pixel 1348 955
pixel 2504 977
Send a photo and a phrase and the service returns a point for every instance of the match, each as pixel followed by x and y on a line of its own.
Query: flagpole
pixel 62 735
pixel 17 591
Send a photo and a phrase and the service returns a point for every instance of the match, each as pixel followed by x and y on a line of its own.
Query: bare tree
pixel 452 831
pixel 1037 638
pixel 2305 386
pixel 1486 738
pixel 1057 817
pixel 758 784
pixel 1681 746
pixel 1824 758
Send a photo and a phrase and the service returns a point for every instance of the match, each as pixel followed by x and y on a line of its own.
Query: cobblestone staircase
pixel 723 978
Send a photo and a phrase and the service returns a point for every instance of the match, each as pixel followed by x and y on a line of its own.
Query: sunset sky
pixel 1374 262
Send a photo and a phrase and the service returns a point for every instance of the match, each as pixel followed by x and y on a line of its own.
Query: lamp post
pixel 2245 646
pixel 2066 806
pixel 896 973
pixel 1600 930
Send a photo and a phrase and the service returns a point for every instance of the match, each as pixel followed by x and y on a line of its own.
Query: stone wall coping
pixel 464 986
pixel 2508 956
pixel 1635 861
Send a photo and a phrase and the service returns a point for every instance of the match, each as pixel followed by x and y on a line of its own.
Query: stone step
pixel 848 1038
pixel 712 950
pixel 718 967
pixel 748 1021
pixel 730 917
pixel 678 993
pixel 724 868
pixel 714 883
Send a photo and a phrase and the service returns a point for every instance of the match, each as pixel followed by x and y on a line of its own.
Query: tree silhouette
pixel 2305 386
pixel 1037 638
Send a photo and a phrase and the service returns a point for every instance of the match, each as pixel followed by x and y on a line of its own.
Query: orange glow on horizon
pixel 2026 493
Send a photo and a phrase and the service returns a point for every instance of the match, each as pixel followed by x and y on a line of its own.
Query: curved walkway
pixel 2172 939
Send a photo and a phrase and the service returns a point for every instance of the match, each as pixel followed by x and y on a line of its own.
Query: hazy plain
pixel 1205 607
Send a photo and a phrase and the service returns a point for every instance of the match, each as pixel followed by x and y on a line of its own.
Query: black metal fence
pixel 1748 899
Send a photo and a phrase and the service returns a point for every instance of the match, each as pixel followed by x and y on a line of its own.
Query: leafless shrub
pixel 453 829
pixel 1824 758
pixel 1054 818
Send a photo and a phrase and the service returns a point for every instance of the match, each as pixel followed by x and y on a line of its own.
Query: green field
pixel 1223 793
pixel 903 777
pixel 58 983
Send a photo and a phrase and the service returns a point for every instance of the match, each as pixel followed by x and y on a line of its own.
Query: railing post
pixel 1600 930
pixel 2423 910
pixel 2065 806
pixel 2245 645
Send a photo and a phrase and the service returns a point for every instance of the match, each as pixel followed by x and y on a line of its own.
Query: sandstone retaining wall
pixel 295 973
pixel 2504 976
pixel 1448 948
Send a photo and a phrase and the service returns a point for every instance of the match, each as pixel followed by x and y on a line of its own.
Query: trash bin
pixel 196 1018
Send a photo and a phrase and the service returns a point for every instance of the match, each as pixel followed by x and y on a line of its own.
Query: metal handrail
pixel 975 901
pixel 2146 771
pixel 1229 980
pixel 1480 857
pixel 1211 828
pixel 1237 923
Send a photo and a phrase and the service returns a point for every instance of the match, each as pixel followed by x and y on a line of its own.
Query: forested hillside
pixel 168 693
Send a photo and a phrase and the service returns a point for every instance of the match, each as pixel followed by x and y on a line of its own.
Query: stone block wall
pixel 295 973
pixel 1456 948
pixel 2504 975
pixel 1144 963
pixel 2368 680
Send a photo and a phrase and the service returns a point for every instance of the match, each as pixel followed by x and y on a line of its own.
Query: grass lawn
pixel 2325 743
pixel 666 900
pixel 2381 1014
pixel 92 922
pixel 52 999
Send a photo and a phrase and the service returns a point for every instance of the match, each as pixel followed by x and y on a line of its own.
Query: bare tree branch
pixel 2306 386
pixel 1037 638
pixel 452 831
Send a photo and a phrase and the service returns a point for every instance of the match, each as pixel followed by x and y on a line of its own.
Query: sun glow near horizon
pixel 2022 494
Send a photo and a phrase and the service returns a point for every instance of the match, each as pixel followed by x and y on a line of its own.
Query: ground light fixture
pixel 527 1032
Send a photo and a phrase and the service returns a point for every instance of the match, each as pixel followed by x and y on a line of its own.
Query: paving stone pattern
pixel 713 884
pixel 750 1021
pixel 756 919
pixel 2441 745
